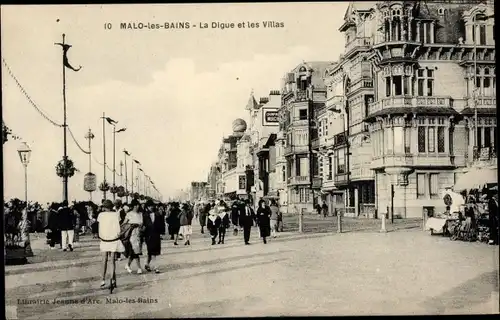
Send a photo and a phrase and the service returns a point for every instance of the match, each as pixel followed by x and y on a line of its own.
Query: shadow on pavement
pixel 28 290
pixel 95 293
pixel 472 292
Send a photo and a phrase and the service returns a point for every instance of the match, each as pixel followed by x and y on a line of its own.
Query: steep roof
pixel 252 103
pixel 318 70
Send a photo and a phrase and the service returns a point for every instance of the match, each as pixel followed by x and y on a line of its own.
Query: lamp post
pixel 24 154
pixel 114 157
pixel 256 166
pixel 89 136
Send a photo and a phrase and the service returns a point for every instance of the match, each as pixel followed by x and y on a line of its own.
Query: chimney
pixel 274 93
pixel 263 100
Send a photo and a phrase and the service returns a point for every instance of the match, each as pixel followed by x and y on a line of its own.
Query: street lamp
pixel 24 154
pixel 255 166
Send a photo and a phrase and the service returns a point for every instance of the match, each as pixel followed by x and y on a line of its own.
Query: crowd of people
pixel 125 228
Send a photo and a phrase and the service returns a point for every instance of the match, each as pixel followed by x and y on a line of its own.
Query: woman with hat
pixel 153 223
pixel 132 231
pixel 109 234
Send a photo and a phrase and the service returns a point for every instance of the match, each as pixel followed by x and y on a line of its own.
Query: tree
pixel 6 131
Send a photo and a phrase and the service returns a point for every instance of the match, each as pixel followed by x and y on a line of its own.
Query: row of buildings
pixel 396 119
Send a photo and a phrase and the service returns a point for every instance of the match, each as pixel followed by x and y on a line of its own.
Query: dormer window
pixel 302 69
pixel 441 11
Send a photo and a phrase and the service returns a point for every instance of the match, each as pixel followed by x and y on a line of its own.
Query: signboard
pixel 89 182
pixel 242 182
pixel 270 117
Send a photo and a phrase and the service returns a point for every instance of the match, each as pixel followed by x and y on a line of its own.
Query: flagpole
pixel 65 155
pixel 114 164
pixel 104 147
pixel 121 173
pixel 132 178
pixel 126 176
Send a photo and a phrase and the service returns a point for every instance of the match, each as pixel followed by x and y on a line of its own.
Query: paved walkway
pixel 407 272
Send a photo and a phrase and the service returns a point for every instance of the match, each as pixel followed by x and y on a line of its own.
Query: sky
pixel 176 91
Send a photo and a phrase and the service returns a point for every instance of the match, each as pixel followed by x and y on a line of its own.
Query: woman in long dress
pixel 135 222
pixel 263 218
pixel 153 223
pixel 109 234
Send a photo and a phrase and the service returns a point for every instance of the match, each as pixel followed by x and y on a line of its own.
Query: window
pixel 341 168
pixel 482 34
pixel 421 32
pixel 330 166
pixel 388 84
pixel 425 82
pixel 486 81
pixel 441 139
pixel 283 173
pixel 420 185
pixel 431 135
pixel 432 139
pixel 421 139
pixel 433 185
pixel 303 114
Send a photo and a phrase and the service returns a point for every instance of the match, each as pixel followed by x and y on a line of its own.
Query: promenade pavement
pixel 407 273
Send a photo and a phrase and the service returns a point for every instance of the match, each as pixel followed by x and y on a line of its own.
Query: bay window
pixel 397 85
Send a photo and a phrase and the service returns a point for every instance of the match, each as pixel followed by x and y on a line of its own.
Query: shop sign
pixel 270 117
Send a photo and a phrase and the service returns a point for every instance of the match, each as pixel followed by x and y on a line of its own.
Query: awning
pixel 414 110
pixel 270 141
pixel 476 178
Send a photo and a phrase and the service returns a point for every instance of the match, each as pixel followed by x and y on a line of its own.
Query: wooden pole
pixel 65 149
pixel 104 147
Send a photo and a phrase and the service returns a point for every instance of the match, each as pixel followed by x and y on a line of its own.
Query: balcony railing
pixel 301 95
pixel 340 178
pixel 410 102
pixel 298 180
pixel 296 149
pixel 357 43
pixel 482 101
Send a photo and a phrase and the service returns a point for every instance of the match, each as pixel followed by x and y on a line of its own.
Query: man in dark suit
pixel 67 224
pixel 247 217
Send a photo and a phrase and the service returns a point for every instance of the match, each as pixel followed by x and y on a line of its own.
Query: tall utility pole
pixel 65 126
pixel 126 175
pixel 104 147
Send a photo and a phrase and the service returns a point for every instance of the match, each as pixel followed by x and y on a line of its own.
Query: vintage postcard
pixel 250 159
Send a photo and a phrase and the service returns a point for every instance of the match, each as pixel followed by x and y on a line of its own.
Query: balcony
pixel 335 102
pixel 341 179
pixel 362 84
pixel 317 183
pixel 298 180
pixel 289 150
pixel 410 102
pixel 410 160
pixel 482 102
pixel 300 122
pixel 357 43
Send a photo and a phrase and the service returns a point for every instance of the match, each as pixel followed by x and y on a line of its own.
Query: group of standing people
pixel 241 215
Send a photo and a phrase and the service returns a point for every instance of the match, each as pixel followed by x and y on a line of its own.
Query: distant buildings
pixel 387 126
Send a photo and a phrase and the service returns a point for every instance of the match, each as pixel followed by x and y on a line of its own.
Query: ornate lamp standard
pixel 24 154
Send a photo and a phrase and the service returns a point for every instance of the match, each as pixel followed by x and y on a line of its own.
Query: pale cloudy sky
pixel 176 91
